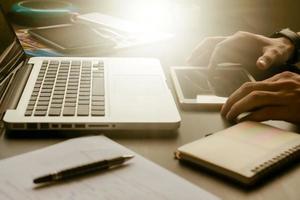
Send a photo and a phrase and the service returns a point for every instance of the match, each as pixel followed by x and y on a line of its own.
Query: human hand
pixel 244 48
pixel 276 98
pixel 203 51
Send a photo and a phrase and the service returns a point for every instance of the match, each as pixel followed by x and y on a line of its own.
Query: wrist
pixel 292 41
pixel 289 47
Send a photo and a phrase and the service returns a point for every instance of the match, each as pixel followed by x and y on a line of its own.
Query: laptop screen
pixel 11 51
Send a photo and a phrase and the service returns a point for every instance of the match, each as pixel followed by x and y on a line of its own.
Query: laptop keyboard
pixel 68 88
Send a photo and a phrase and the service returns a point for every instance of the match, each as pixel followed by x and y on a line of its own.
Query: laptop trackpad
pixel 138 85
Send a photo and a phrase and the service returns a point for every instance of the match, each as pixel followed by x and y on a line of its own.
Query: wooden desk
pixel 195 124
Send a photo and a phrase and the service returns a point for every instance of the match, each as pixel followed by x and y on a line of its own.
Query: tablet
pixel 200 87
pixel 72 37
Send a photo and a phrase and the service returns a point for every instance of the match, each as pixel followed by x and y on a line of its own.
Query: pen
pixel 83 169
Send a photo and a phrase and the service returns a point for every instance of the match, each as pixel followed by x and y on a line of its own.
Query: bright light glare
pixel 155 14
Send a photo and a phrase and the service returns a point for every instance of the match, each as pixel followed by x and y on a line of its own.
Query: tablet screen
pixel 193 82
pixel 199 81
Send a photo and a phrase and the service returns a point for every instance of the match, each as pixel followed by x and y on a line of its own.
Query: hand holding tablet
pixel 203 88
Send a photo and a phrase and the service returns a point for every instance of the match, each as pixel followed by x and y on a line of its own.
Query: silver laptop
pixel 81 93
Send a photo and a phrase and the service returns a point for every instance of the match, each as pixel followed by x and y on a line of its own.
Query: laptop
pixel 90 93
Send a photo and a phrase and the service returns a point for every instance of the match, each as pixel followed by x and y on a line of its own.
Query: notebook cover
pixel 244 152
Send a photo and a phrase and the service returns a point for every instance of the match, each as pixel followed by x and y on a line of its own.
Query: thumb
pixel 266 60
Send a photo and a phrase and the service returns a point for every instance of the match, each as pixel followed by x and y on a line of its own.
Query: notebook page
pixel 138 179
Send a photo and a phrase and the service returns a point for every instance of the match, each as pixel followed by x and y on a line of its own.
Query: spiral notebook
pixel 245 152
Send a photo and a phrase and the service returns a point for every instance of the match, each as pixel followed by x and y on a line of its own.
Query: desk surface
pixel 195 124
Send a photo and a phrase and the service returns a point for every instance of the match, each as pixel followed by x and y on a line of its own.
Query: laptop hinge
pixel 16 88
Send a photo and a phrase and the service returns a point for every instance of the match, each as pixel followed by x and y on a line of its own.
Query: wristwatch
pixel 294 38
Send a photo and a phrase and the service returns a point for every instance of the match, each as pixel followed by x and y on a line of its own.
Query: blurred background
pixel 192 20
pixel 207 16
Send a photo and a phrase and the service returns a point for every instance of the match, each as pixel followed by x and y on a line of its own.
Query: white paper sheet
pixel 137 179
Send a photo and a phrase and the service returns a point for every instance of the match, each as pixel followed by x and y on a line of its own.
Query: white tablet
pixel 200 87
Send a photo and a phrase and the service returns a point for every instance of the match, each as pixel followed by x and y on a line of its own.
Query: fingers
pixel 225 52
pixel 201 54
pixel 252 101
pixel 263 63
pixel 268 59
pixel 202 59
pixel 269 113
pixel 245 90
pixel 279 91
pixel 275 54
pixel 283 76
pixel 220 56
pixel 242 47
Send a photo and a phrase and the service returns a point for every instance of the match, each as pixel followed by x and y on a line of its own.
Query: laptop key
pixel 70 104
pixel 46 90
pixel 98 86
pixel 57 101
pixel 84 94
pixel 59 89
pixel 30 107
pixel 70 100
pixel 42 103
pixel 71 91
pixel 72 87
pixel 82 98
pixel 65 62
pixel 69 111
pixel 97 98
pixel 71 95
pixel 54 112
pixel 28 112
pixel 85 82
pixel 60 84
pixel 98 103
pixel 58 96
pixel 55 106
pixel 36 89
pixel 41 108
pixel 45 94
pixel 98 107
pixel 31 103
pixel 98 113
pixel 76 62
pixel 44 99
pixel 85 87
pixel 86 63
pixel 54 62
pixel 33 98
pixel 59 92
pixel 40 113
pixel 48 86
pixel 83 110
pixel 83 102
